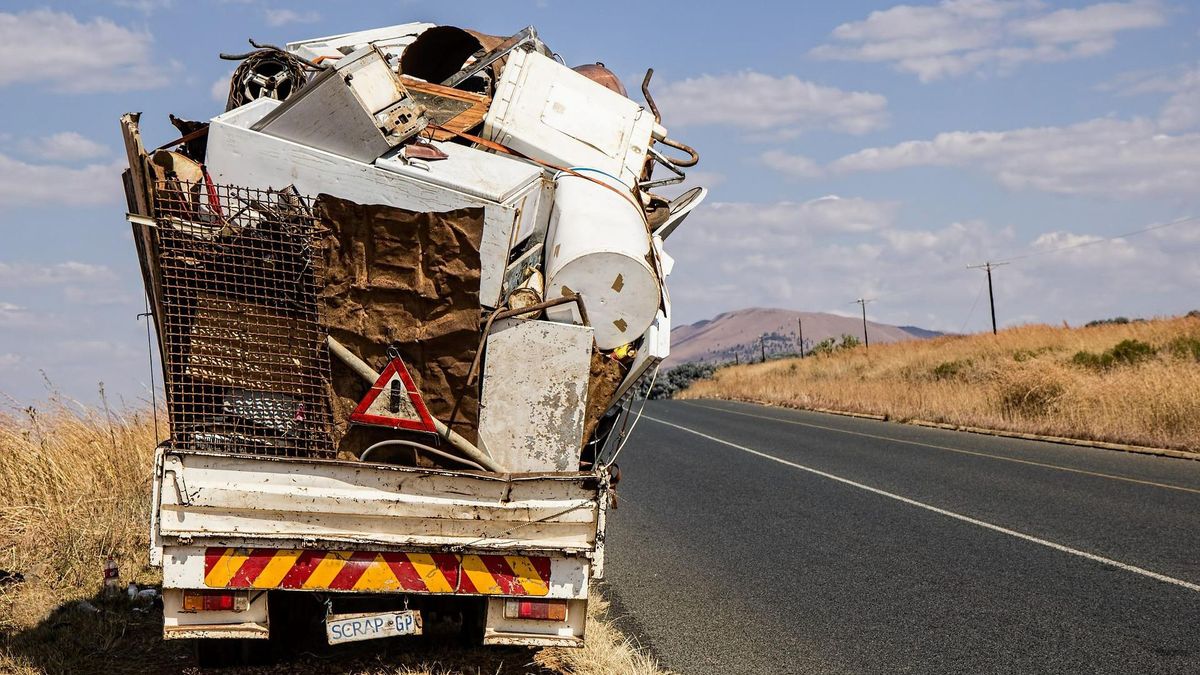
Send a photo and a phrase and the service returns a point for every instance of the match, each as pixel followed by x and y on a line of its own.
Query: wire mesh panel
pixel 247 369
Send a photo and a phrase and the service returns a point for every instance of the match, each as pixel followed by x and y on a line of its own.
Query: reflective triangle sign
pixel 394 401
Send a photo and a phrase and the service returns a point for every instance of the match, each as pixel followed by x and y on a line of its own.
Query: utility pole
pixel 991 297
pixel 800 327
pixel 863 303
pixel 762 342
pixel 737 359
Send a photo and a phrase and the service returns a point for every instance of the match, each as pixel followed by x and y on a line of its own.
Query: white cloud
pixel 145 6
pixel 24 274
pixel 1101 157
pixel 757 102
pixel 731 256
pixel 64 146
pixel 956 37
pixel 282 17
pixel 797 166
pixel 93 296
pixel 220 88
pixel 9 360
pixel 56 50
pixel 14 316
pixel 22 183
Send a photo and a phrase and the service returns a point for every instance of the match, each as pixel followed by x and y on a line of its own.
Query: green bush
pixel 1185 346
pixel 1132 351
pixel 825 347
pixel 950 369
pixel 1092 360
pixel 1125 352
pixel 849 342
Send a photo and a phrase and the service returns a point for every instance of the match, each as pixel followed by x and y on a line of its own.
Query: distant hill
pixel 923 333
pixel 719 338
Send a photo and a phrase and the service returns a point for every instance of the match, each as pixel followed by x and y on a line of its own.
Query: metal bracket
pixel 526 35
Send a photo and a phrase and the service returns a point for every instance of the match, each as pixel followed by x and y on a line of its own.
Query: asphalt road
pixel 762 540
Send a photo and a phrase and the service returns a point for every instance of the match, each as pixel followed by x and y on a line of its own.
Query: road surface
pixel 763 540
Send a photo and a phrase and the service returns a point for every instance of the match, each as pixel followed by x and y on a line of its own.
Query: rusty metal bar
pixel 368 374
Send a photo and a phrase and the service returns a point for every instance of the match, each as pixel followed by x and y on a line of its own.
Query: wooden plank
pixel 453 109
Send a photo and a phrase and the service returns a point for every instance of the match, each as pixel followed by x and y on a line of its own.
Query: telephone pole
pixel 991 297
pixel 762 342
pixel 863 303
pixel 800 327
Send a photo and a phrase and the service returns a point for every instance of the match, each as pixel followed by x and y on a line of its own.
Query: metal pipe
pixel 649 98
pixel 418 446
pixel 366 372
pixel 692 160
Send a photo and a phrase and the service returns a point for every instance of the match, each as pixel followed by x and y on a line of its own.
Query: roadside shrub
pixel 824 347
pixel 950 370
pixel 1185 346
pixel 1115 321
pixel 849 342
pixel 1132 351
pixel 679 378
pixel 1092 360
pixel 1023 355
pixel 1125 352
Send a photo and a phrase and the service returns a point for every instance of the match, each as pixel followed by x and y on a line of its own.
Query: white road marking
pixel 947 448
pixel 957 516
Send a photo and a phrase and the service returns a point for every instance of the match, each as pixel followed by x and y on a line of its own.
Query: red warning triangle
pixel 394 401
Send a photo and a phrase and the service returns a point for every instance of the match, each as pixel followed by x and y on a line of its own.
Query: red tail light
pixel 539 610
pixel 215 601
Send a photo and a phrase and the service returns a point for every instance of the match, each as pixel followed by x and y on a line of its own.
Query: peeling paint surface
pixel 534 394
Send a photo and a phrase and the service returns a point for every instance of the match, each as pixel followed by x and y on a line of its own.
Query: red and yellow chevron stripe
pixel 307 569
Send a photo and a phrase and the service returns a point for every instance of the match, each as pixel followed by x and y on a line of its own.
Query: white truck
pixel 469 217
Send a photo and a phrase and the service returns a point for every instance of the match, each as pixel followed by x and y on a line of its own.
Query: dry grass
pixel 75 488
pixel 1025 379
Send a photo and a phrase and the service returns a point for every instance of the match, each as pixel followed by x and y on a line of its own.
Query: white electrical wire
pixel 633 426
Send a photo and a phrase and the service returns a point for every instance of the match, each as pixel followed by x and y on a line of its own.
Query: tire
pixel 228 653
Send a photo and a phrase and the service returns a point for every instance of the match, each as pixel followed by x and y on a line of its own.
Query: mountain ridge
pixel 736 334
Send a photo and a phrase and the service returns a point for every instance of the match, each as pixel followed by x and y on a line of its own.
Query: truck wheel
pixel 226 653
pixel 474 617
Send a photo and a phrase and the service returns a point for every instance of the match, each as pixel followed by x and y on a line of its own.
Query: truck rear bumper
pixel 374 572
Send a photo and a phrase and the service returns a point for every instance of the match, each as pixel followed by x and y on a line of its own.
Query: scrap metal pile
pixel 418 245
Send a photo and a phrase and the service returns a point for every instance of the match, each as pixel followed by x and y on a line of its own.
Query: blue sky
pixel 852 149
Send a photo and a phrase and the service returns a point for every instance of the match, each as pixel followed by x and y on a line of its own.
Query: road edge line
pixel 1059 440
pixel 944 512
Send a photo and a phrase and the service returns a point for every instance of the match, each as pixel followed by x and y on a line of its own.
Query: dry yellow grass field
pixel 75 488
pixel 1027 379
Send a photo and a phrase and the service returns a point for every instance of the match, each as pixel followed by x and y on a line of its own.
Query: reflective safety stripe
pixel 376 571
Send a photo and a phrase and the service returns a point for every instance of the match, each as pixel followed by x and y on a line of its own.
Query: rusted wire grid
pixel 244 358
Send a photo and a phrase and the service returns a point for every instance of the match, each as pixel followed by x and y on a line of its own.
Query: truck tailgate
pixel 232 500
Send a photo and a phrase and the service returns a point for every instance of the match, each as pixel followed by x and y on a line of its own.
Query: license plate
pixel 354 627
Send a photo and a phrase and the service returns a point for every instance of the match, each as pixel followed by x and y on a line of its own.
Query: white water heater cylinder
pixel 598 246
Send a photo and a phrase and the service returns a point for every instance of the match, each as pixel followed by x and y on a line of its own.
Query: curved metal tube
pixel 452 437
pixel 649 98
pixel 418 446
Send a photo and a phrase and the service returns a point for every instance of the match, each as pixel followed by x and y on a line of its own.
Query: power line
pixel 1178 221
pixel 971 312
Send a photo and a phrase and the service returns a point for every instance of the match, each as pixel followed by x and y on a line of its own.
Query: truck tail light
pixel 216 601
pixel 538 610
